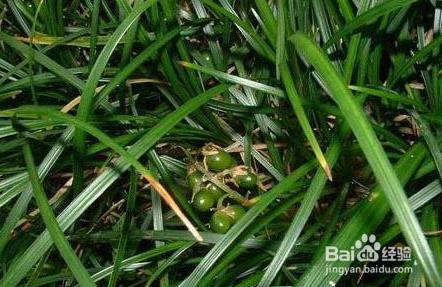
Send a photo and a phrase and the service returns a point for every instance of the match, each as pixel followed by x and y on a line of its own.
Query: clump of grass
pixel 334 105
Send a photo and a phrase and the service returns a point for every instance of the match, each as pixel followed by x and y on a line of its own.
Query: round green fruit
pixel 215 190
pixel 216 159
pixel 220 222
pixel 244 177
pixel 30 6
pixel 206 56
pixel 219 161
pixel 195 180
pixel 203 200
pixel 236 212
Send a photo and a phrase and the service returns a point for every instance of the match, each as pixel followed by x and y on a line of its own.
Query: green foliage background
pixel 336 104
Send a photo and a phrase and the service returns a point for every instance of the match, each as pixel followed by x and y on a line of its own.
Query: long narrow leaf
pixel 235 79
pixel 374 153
pixel 25 262
pixel 44 60
pixel 298 223
pixel 88 93
pixel 75 265
pixel 217 251
pixel 368 17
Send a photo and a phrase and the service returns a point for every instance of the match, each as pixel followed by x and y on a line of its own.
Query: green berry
pixel 216 159
pixel 215 190
pixel 220 222
pixel 203 200
pixel 246 181
pixel 219 161
pixel 30 5
pixel 235 212
pixel 244 177
pixel 206 56
pixel 195 180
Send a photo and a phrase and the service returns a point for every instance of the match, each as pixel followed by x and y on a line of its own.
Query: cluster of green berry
pixel 216 180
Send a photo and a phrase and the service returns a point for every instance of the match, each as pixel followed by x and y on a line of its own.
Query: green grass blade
pixel 88 93
pixel 94 33
pixel 431 223
pixel 374 153
pixel 235 79
pixel 43 60
pixel 105 139
pixel 302 215
pixel 56 233
pixel 131 76
pixel 266 199
pixel 268 20
pixel 259 224
pixel 368 216
pixel 78 206
pixel 249 33
pixel 430 140
pixel 295 101
pixel 59 147
pixel 177 191
pixel 368 17
pixel 214 46
pixel 280 37
pixel 292 94
pixel 167 263
pixel 130 206
pixel 418 56
pixel 426 194
pixel 19 17
pixel 134 63
pixel 140 257
pixel 388 94
pixel 26 189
